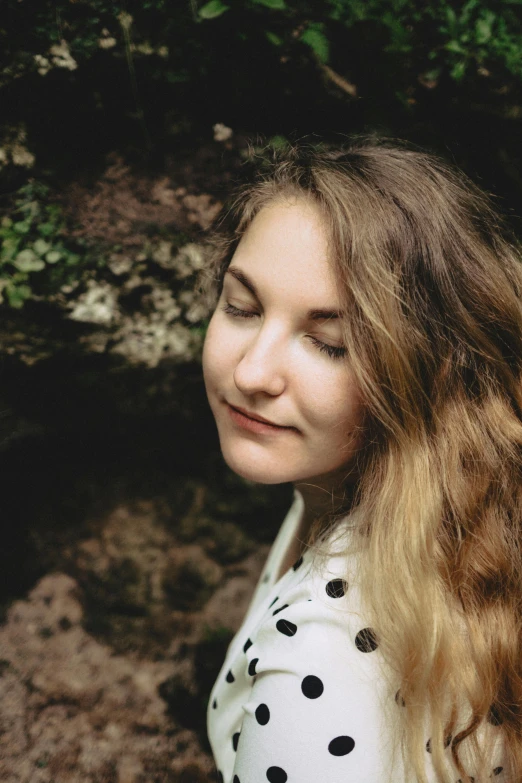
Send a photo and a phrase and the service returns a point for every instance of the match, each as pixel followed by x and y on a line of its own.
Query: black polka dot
pixel 273 602
pixel 220 776
pixel 276 611
pixel 286 627
pixel 498 770
pixel 276 775
pixel 312 687
pixel 341 746
pixel 399 700
pixel 262 714
pixel 366 640
pixel 297 564
pixel 236 779
pixel 252 666
pixel 235 740
pixel 336 588
pixel 214 704
pixel 247 644
pixel 230 677
pixel 494 716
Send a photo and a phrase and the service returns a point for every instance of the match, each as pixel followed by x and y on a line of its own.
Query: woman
pixel 367 346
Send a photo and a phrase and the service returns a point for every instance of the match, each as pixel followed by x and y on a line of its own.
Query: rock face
pixel 72 711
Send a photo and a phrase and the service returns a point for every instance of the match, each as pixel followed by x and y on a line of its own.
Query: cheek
pixel 335 411
pixel 219 351
pixel 330 397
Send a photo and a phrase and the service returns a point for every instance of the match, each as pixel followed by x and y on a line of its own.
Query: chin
pixel 256 475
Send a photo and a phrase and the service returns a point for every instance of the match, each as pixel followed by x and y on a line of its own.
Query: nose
pixel 261 368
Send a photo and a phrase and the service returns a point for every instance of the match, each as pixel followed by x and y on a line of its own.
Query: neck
pixel 321 499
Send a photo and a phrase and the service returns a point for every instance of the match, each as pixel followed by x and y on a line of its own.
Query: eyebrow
pixel 312 315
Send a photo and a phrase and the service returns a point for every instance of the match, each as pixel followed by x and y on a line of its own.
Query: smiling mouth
pixel 260 419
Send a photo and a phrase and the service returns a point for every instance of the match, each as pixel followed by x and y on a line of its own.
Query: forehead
pixel 286 246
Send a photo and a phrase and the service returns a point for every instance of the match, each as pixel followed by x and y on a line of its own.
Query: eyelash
pixel 333 351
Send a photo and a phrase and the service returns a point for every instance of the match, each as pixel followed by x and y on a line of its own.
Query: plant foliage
pixel 74 72
pixel 35 254
pixel 451 34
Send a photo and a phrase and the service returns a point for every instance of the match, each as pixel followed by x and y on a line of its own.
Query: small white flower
pixel 222 132
pixel 21 156
pixel 125 20
pixel 107 43
pixel 144 48
pixel 44 66
pixel 61 56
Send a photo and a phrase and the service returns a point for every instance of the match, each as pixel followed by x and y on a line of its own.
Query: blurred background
pixel 130 551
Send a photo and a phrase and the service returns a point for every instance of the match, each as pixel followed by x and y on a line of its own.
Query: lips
pixel 256 417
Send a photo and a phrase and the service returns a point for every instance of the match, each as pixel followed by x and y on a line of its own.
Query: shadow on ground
pixel 129 555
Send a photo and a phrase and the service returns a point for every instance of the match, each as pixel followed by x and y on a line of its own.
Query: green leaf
pixel 455 46
pixel 28 261
pixel 10 247
pixel 53 211
pixel 483 28
pixel 16 295
pixel 213 9
pixel 278 142
pixel 467 11
pixel 458 70
pixel 30 208
pixel 53 256
pixel 451 18
pixel 432 75
pixel 22 227
pixel 314 37
pixel 273 38
pixel 41 247
pixel 278 5
pixel 46 229
pixel 72 259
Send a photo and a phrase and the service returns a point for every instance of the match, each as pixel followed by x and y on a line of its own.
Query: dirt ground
pixel 128 558
pixel 129 709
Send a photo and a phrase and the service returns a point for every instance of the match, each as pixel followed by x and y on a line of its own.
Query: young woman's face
pixel 277 375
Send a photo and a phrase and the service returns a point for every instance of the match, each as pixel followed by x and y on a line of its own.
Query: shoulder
pixel 315 616
pixel 319 705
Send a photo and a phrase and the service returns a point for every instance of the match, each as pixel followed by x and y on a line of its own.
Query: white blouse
pixel 304 694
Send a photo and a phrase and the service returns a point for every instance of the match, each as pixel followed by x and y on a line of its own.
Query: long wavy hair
pixel 430 280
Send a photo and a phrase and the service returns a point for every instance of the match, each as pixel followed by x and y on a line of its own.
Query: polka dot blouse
pixel 304 694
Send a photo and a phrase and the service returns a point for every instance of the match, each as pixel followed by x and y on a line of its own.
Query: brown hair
pixel 432 284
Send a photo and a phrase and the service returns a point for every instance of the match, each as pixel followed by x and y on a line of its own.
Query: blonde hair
pixel 431 282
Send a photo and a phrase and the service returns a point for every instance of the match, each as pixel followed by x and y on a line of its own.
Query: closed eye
pixel 333 351
pixel 236 312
